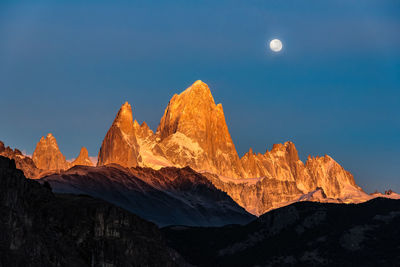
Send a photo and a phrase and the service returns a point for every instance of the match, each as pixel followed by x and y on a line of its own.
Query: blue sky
pixel 67 66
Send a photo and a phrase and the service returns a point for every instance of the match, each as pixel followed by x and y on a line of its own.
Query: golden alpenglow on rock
pixel 279 177
pixel 120 145
pixel 47 155
pixel 83 158
pixel 193 132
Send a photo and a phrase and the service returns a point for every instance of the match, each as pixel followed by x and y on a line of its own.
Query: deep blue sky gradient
pixel 67 66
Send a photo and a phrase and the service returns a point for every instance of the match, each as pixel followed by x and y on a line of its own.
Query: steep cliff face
pixel 38 228
pixel 330 176
pixel 193 132
pixel 281 163
pixel 120 145
pixel 47 155
pixel 257 195
pixel 83 158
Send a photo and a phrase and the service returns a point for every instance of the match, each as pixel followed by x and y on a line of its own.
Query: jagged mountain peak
pixel 287 149
pixel 47 155
pixel 144 125
pixel 124 118
pixel 198 89
pixel 120 144
pixel 136 125
pixel 288 145
pixel 83 158
pixel 323 160
pixel 193 116
pixel 49 139
pixel 141 127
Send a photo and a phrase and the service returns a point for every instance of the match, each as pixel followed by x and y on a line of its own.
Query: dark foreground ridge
pixel 39 228
pixel 168 196
pixel 302 234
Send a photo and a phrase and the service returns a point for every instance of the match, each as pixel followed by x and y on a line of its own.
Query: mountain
pixel 120 145
pixel 281 178
pixel 301 234
pixel 83 158
pixel 40 228
pixel 193 132
pixel 166 196
pixel 47 155
pixel 22 162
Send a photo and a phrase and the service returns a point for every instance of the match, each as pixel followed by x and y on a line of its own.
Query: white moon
pixel 276 45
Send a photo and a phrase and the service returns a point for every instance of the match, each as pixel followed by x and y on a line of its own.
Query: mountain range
pixel 189 165
pixel 41 228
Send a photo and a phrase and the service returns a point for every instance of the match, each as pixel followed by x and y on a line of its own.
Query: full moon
pixel 275 45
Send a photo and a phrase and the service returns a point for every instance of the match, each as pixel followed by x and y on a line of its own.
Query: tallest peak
pixel 199 82
pixel 198 90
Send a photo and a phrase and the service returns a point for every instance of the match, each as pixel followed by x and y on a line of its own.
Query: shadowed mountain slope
pixel 166 196
pixel 39 228
pixel 301 234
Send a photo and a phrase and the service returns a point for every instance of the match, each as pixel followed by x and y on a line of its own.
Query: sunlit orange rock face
pixel 279 177
pixel 330 176
pixel 47 155
pixel 83 158
pixel 120 145
pixel 193 132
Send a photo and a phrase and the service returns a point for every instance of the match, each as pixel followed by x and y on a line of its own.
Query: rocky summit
pixel 120 145
pixel 83 158
pixel 47 155
pixel 193 132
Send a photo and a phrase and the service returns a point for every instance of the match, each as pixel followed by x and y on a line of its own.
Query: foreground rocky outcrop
pixel 22 162
pixel 166 196
pixel 302 234
pixel 47 156
pixel 39 228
